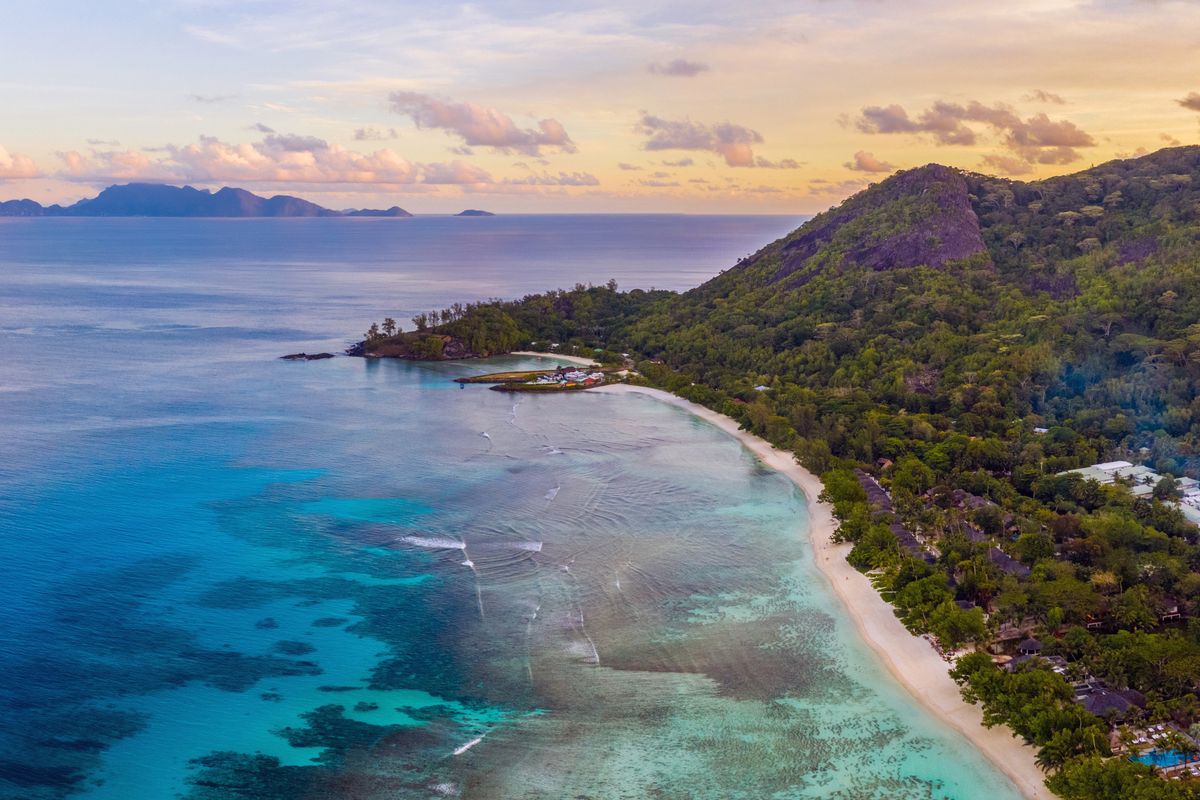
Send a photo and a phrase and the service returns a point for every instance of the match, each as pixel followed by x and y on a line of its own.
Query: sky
pixel 579 107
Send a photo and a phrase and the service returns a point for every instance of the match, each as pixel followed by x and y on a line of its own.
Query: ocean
pixel 223 575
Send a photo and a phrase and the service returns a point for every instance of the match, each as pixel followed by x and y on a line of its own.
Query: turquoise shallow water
pixel 225 575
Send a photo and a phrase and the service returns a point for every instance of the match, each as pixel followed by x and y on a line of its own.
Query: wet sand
pixel 909 658
pixel 586 362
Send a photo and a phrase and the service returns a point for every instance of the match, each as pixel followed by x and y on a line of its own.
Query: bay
pixel 225 575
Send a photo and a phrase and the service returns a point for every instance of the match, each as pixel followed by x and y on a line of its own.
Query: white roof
pixel 1142 472
pixel 1091 474
pixel 1110 466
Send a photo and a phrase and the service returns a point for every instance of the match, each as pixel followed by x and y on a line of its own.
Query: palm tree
pixel 1126 737
pixel 1174 740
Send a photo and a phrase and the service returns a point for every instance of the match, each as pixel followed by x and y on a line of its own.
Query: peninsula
pixel 959 357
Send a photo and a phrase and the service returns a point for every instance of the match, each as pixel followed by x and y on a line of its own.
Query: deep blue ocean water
pixel 225 575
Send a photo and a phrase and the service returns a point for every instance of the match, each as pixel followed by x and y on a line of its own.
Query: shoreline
pixel 910 659
pixel 585 362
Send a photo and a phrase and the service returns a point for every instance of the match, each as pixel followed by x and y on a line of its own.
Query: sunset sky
pixel 723 107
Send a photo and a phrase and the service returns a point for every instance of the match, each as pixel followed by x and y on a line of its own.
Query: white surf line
pixel 586 635
pixel 439 543
pixel 528 640
pixel 434 542
pixel 464 748
pixel 478 592
pixel 582 623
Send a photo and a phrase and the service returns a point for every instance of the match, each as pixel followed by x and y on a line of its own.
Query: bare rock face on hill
pixel 919 217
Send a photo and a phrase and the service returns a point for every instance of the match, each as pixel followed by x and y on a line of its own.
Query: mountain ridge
pixel 165 200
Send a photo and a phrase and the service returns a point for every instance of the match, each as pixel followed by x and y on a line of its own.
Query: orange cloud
pixel 864 161
pixel 1037 139
pixel 1006 165
pixel 282 158
pixel 480 126
pixel 14 166
pixel 678 68
pixel 1191 102
pixel 732 142
pixel 1042 96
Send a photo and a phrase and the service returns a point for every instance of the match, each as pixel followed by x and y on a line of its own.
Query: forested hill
pixel 981 300
pixel 941 347
pixel 919 217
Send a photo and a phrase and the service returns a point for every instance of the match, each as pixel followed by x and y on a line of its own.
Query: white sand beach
pixel 586 362
pixel 909 658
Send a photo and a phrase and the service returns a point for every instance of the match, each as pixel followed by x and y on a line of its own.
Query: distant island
pixel 161 200
pixel 474 212
pixel 394 211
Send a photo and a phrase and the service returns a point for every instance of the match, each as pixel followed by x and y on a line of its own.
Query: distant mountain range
pixel 160 200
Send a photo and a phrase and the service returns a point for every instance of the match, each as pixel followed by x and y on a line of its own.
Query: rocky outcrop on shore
pixel 417 347
pixel 306 356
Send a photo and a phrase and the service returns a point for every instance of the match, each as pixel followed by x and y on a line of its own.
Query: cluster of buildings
pixel 569 378
pixel 1095 695
pixel 1125 711
pixel 881 505
pixel 1141 481
pixel 1147 743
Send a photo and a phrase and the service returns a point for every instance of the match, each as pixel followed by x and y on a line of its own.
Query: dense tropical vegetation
pixel 965 340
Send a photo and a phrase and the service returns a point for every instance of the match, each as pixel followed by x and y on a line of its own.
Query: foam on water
pixel 458 751
pixel 434 543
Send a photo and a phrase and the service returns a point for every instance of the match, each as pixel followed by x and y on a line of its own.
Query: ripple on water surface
pixel 603 598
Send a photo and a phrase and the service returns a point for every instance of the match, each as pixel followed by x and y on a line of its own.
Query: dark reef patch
pixel 292 648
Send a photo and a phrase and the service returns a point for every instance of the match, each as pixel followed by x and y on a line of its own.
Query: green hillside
pixel 963 340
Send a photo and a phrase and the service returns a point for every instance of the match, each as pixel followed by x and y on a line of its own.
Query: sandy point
pixel 586 362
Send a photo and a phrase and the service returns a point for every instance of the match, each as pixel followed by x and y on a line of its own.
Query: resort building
pixel 1141 480
pixel 881 505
